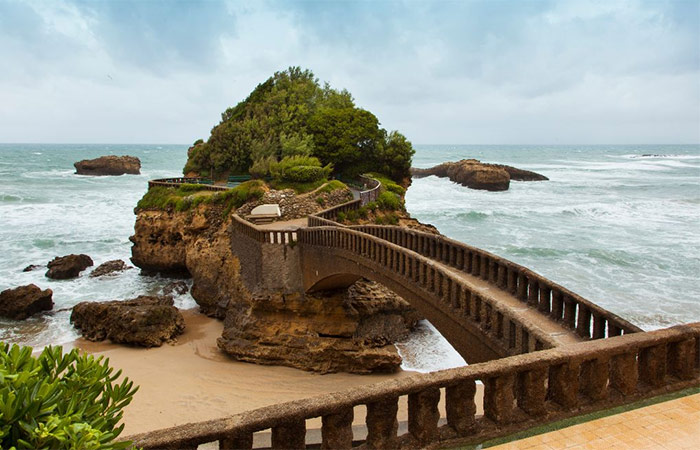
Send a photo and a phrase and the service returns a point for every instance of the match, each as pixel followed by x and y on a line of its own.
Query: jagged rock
pixel 24 301
pixel 109 267
pixel 145 321
pixel 109 165
pixel 176 287
pixel 474 174
pixel 350 331
pixel 64 267
pixel 31 267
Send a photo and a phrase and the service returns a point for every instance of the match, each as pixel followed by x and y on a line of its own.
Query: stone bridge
pixel 542 352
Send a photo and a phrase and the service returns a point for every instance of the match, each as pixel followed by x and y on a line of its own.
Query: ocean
pixel 617 224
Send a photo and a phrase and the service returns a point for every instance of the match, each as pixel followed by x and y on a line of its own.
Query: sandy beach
pixel 191 380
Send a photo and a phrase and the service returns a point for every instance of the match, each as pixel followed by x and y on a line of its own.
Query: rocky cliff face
pixel 474 174
pixel 349 331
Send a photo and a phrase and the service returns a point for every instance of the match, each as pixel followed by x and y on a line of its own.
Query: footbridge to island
pixel 541 352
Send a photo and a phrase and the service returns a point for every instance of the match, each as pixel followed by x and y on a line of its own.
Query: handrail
pixel 519 392
pixel 177 181
pixel 573 311
pixel 284 237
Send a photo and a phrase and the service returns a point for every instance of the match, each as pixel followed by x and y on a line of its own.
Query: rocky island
pixel 109 165
pixel 474 174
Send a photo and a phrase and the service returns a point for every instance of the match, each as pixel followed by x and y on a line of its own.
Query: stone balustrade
pixel 371 192
pixel 518 392
pixel 265 236
pixel 560 304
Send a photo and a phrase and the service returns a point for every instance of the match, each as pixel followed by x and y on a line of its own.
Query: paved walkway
pixel 671 425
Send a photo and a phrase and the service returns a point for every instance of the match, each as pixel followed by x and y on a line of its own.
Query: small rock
pixel 31 267
pixel 109 165
pixel 24 301
pixel 64 267
pixel 146 321
pixel 109 268
pixel 177 287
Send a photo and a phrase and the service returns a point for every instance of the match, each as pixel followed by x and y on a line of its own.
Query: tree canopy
pixel 291 114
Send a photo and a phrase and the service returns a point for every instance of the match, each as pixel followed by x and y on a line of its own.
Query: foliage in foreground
pixel 292 114
pixel 60 401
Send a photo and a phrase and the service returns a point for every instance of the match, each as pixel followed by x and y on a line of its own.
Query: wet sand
pixel 192 380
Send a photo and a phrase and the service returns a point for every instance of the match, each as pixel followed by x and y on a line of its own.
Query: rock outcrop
pixel 70 266
pixel 109 268
pixel 474 174
pixel 109 165
pixel 25 301
pixel 143 321
pixel 176 287
pixel 347 331
pixel 31 267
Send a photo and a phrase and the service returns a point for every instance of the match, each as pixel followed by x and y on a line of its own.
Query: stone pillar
pixel 460 407
pixel 545 299
pixel 532 391
pixel 598 326
pixel 290 435
pixel 475 265
pixel 467 262
pixel 502 277
pixel 498 398
pixel 238 441
pixel 681 359
pixel 569 312
pixel 652 365
pixel 512 281
pixel 623 373
pixel 532 292
pixel 583 324
pixel 466 302
pixel 594 378
pixel 557 305
pixel 522 287
pixel 336 430
pixel 382 424
pixel 423 415
pixel 564 384
pixel 613 330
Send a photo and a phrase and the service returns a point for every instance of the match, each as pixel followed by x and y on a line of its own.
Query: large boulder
pixel 145 321
pixel 109 268
pixel 109 165
pixel 70 266
pixel 474 174
pixel 24 301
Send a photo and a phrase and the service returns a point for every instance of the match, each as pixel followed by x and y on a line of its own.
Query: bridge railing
pixel 587 319
pixel 178 181
pixel 242 226
pixel 500 323
pixel 331 214
pixel 519 392
pixel 371 192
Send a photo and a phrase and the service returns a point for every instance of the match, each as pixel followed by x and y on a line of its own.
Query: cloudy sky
pixel 459 72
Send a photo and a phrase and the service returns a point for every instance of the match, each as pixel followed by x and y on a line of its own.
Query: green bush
pixel 341 217
pixel 389 201
pixel 305 174
pixel 299 169
pixel 331 186
pixel 60 401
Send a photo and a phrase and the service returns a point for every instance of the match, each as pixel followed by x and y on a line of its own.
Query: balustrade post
pixel 468 262
pixel 239 441
pixel 475 265
pixel 544 305
pixel 557 305
pixel 498 398
pixel 613 330
pixel 493 272
pixel 460 406
pixel 623 373
pixel 652 365
pixel 594 378
pixel 522 287
pixel 564 384
pixel 681 359
pixel 290 435
pixel 532 292
pixel 502 276
pixel 382 424
pixel 569 312
pixel 598 326
pixel 336 430
pixel 512 281
pixel 423 415
pixel 583 325
pixel 484 267
pixel 532 391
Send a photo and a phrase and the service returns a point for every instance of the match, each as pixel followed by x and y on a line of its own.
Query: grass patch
pixel 388 184
pixel 189 196
pixel 299 188
pixel 331 186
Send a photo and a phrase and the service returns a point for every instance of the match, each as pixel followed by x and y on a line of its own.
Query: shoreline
pixel 192 381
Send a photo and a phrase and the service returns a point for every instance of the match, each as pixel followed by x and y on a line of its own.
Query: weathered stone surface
pixel 474 174
pixel 176 287
pixel 31 267
pixel 70 266
pixel 109 268
pixel 349 331
pixel 24 301
pixel 109 165
pixel 146 321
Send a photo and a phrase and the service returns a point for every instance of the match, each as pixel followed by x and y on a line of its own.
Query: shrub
pixel 261 167
pixel 299 169
pixel 331 186
pixel 60 401
pixel 389 201
pixel 341 217
pixel 305 174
